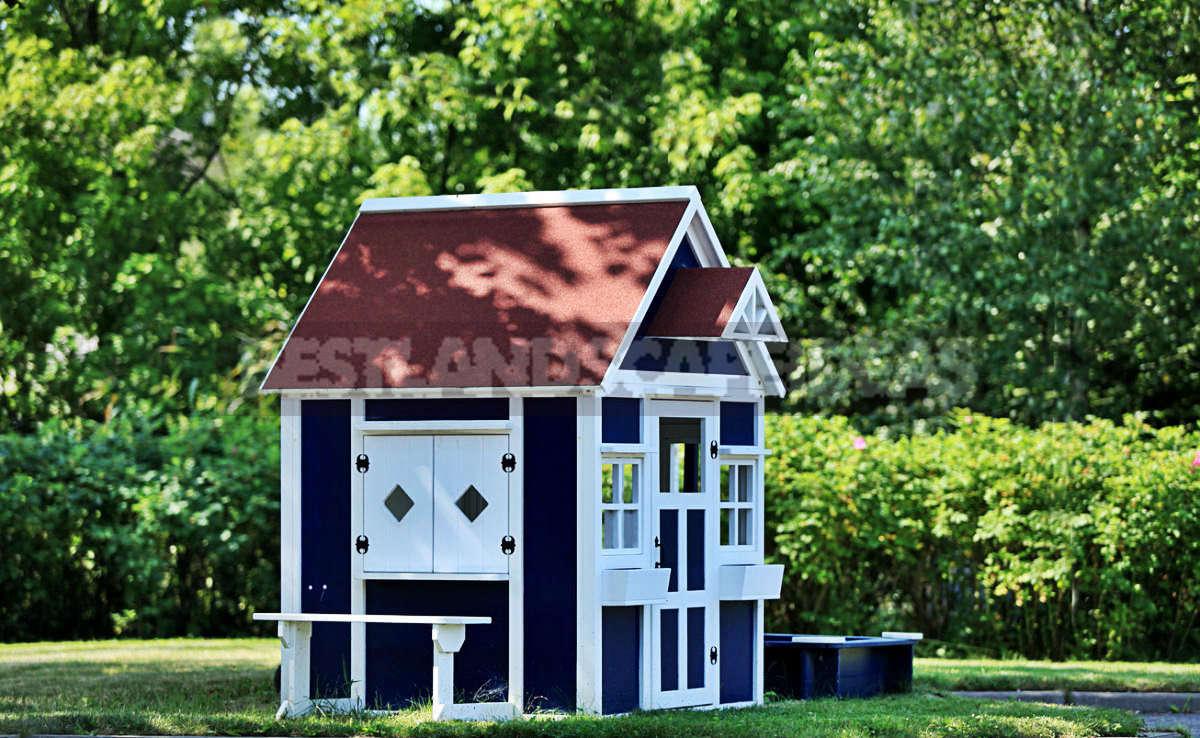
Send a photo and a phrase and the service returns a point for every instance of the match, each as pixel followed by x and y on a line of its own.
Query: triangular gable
pixel 516 291
pixel 650 353
pixel 747 351
pixel 754 317
pixel 716 303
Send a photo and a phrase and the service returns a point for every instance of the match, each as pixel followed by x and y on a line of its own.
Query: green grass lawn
pixel 195 687
pixel 1078 676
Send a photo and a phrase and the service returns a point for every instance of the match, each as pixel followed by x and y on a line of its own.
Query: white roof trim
pixel 530 199
pixel 299 317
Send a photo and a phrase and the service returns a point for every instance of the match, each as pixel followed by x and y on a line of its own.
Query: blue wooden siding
pixel 739 421
pixel 447 408
pixel 550 578
pixel 622 420
pixel 668 532
pixel 669 652
pixel 695 550
pixel 737 652
pixel 620 635
pixel 325 538
pixel 680 355
pixel 400 657
pixel 696 655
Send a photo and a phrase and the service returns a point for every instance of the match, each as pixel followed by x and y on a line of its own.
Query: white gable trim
pixel 754 354
pixel 261 389
pixel 530 199
pixel 746 312
pixel 660 273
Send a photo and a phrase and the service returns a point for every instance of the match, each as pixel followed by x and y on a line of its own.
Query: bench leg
pixel 295 639
pixel 447 640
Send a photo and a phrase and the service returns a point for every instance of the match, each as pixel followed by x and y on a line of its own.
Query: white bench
pixel 295 635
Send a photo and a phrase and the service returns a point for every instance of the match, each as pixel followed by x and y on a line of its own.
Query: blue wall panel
pixel 669 644
pixel 620 635
pixel 448 408
pixel 695 550
pixel 668 557
pixel 695 647
pixel 622 420
pixel 325 538
pixel 737 652
pixel 738 423
pixel 550 518
pixel 400 657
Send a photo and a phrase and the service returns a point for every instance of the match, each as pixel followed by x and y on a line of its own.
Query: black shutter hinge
pixel 508 463
pixel 712 655
pixel 361 544
pixel 712 449
pixel 508 545
pixel 362 463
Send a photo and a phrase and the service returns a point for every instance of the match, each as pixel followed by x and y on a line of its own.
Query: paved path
pixel 1156 708
pixel 1170 720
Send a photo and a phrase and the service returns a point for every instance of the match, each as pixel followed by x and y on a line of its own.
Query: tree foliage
pixel 965 203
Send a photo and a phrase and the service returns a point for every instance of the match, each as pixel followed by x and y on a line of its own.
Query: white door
pixel 684 629
pixel 398 504
pixel 471 504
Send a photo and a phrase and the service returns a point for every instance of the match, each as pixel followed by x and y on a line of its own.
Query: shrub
pixel 116 529
pixel 1065 541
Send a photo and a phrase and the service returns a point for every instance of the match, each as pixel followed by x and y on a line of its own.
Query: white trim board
pixel 530 199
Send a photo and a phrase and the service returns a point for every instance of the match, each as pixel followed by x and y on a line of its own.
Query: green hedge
pixel 122 530
pixel 1063 541
pixel 1068 540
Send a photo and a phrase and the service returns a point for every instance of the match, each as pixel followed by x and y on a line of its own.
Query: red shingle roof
pixel 699 302
pixel 523 296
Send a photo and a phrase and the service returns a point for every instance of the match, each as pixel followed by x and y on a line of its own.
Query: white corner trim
pixel 300 317
pixel 529 199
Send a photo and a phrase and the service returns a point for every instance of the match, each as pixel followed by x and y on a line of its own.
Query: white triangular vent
pixel 754 318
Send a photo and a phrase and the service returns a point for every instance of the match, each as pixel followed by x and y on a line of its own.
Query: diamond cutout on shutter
pixel 398 503
pixel 471 503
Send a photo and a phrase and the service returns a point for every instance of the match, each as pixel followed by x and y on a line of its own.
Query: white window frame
pixel 734 506
pixel 619 506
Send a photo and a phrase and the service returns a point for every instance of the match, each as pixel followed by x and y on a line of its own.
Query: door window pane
pixel 679 455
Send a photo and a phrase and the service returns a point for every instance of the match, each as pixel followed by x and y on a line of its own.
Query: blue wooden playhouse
pixel 532 423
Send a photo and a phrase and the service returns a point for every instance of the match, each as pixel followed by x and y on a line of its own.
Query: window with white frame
pixel 620 504
pixel 737 503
